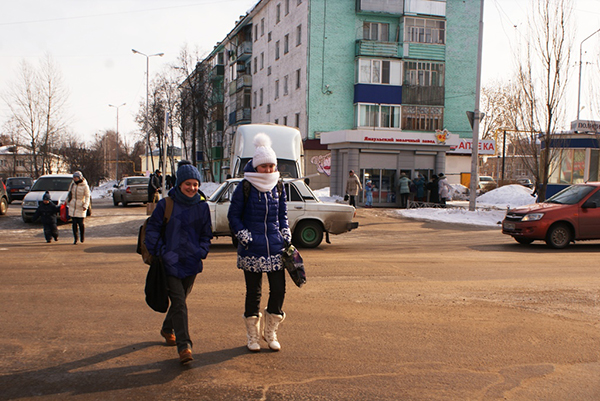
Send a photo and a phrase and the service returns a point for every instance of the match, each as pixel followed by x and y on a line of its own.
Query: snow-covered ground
pixel 491 206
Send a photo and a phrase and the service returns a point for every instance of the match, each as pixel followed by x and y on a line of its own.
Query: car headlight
pixel 533 217
pixel 30 203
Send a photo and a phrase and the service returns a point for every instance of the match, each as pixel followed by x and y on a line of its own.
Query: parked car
pixel 526 182
pixel 487 183
pixel 58 185
pixel 309 218
pixel 17 187
pixel 130 190
pixel 571 214
pixel 3 198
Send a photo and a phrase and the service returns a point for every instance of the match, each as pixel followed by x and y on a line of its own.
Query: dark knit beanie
pixel 46 196
pixel 186 172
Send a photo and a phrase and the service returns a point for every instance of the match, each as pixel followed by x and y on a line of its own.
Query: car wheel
pixel 558 236
pixel 308 234
pixel 124 203
pixel 524 241
pixel 115 201
pixel 3 206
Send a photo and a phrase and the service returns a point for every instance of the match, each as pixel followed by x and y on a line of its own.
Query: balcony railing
pixel 373 48
pixel 243 81
pixel 244 51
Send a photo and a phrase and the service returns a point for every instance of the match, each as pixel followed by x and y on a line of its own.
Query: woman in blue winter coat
pixel 185 243
pixel 258 219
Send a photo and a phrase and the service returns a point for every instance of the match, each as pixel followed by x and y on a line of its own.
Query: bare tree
pixel 37 103
pixel 542 72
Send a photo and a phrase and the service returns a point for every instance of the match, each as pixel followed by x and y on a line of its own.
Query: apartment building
pixel 377 86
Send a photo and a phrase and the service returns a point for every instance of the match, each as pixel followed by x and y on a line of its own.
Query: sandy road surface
pixel 398 309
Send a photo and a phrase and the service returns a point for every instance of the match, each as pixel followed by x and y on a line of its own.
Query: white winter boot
pixel 271 324
pixel 253 332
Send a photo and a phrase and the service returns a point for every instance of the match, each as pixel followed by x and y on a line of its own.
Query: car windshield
pixel 571 195
pixel 52 184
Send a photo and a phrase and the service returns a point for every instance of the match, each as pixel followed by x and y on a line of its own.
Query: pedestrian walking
pixel 369 193
pixel 353 187
pixel 258 218
pixel 154 186
pixel 181 245
pixel 47 212
pixel 404 185
pixel 79 201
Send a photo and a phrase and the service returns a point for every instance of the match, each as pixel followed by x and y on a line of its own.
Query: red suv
pixel 572 214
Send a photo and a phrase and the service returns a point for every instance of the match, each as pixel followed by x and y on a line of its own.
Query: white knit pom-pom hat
pixel 263 153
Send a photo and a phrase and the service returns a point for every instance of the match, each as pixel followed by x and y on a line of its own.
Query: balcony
pixel 372 48
pixel 243 115
pixel 243 81
pixel 381 6
pixel 216 152
pixel 427 7
pixel 423 95
pixel 217 71
pixel 216 126
pixel 244 51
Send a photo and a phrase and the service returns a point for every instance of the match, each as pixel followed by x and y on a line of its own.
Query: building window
pixel 254 100
pixel 262 27
pixel 376 31
pixel 298 78
pixel 286 44
pixel 299 2
pixel 297 120
pixel 376 115
pixel 268 108
pixel 284 120
pixel 375 71
pixel 276 89
pixel 269 36
pixel 260 97
pixel 422 118
pixel 268 70
pixel 255 33
pixel 420 30
pixel 285 85
pixel 298 35
pixel 277 50
pixel 278 13
pixel 287 7
pixel 262 60
pixel 423 73
pixel 255 64
pixel 276 121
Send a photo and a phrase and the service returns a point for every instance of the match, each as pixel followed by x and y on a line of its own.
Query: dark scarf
pixel 180 197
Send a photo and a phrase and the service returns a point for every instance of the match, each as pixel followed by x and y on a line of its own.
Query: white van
pixel 287 144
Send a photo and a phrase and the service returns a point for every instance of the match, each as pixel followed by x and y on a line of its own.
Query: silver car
pixel 309 218
pixel 130 190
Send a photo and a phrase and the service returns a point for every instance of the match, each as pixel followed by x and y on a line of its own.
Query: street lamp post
pixel 580 62
pixel 117 145
pixel 147 84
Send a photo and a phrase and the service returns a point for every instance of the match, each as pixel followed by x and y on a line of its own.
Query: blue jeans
pixel 177 315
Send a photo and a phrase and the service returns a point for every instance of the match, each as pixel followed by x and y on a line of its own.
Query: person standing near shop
pixel 434 189
pixel 404 185
pixel 445 189
pixel 258 219
pixel 79 202
pixel 420 186
pixel 353 187
pixel 182 245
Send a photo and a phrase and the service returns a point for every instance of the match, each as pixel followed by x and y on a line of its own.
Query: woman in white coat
pixel 445 189
pixel 79 202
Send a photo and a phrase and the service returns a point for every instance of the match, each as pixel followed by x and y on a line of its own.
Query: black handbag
pixel 157 296
pixel 293 263
pixel 346 197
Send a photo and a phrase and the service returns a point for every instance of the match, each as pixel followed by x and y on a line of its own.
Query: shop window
pixel 384 182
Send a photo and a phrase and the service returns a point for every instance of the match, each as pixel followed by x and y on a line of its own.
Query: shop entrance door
pixel 384 191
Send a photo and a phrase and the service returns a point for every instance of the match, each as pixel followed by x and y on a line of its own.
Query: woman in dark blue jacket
pixel 258 218
pixel 185 243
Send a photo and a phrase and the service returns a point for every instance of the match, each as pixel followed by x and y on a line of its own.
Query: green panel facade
pixel 462 30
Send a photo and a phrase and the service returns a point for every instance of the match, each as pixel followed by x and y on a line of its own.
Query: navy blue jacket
pixel 261 226
pixel 187 237
pixel 47 213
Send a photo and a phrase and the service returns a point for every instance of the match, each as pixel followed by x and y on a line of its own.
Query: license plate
pixel 509 226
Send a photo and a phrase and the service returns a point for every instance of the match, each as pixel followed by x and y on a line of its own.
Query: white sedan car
pixel 309 218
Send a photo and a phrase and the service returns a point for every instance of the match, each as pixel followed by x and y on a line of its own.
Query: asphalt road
pixel 396 310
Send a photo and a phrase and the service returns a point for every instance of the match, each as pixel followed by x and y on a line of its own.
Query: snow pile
pixel 508 196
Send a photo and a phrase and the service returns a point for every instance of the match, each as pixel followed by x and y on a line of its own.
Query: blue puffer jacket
pixel 261 227
pixel 187 235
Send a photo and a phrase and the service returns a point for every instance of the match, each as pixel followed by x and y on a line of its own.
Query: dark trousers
pixel 50 231
pixel 352 200
pixel 78 223
pixel 177 315
pixel 404 200
pixel 254 289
